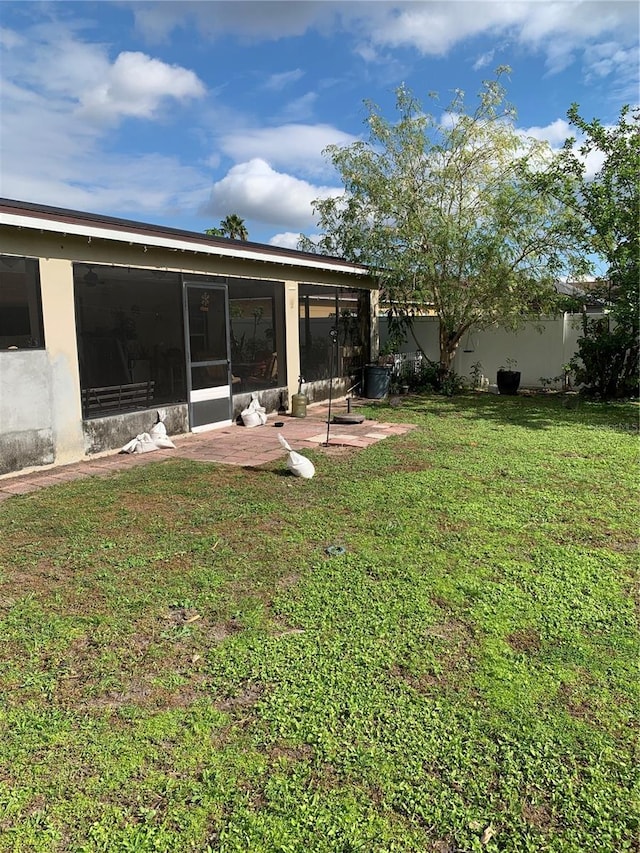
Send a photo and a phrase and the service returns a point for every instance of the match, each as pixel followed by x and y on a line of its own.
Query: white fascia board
pixel 92 231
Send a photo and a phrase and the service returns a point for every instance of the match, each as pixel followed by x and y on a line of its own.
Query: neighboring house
pixel 103 321
pixel 582 293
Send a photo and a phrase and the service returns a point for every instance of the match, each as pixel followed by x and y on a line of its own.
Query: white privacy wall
pixel 540 348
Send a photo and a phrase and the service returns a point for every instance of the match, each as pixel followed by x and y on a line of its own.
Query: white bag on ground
pixel 142 443
pixel 155 439
pixel 158 434
pixel 254 414
pixel 163 443
pixel 299 465
pixel 158 430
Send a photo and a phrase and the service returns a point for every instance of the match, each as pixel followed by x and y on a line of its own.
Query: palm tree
pixel 234 227
pixel 231 226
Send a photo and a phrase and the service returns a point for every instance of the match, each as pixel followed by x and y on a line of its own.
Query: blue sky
pixel 179 113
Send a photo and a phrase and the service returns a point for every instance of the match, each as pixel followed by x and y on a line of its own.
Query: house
pixel 103 321
pixel 583 296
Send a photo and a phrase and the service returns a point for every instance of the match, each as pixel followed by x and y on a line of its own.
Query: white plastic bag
pixel 142 443
pixel 299 465
pixel 254 414
pixel 163 443
pixel 158 430
pixel 155 439
pixel 158 434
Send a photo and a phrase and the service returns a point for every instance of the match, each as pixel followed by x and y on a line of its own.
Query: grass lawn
pixel 183 667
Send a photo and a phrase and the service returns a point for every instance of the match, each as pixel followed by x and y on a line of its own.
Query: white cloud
pixel 40 137
pixel 136 85
pixel 277 82
pixel 593 162
pixel 53 60
pixel 61 99
pixel 52 153
pixel 619 64
pixel 286 240
pixel 301 108
pixel 10 39
pixel 256 191
pixel 51 165
pixel 558 29
pixel 367 53
pixel 554 133
pixel 449 119
pixel 484 60
pixel 432 28
pixel 608 58
pixel 252 20
pixel 293 146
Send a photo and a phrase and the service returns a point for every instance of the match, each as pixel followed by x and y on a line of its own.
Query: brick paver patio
pixel 232 445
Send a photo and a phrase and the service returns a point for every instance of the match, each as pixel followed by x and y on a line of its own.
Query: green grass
pixel 184 668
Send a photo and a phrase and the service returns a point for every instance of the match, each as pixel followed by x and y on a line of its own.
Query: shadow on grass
pixel 267 472
pixel 531 410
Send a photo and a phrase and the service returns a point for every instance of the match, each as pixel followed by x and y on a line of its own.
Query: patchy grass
pixel 183 667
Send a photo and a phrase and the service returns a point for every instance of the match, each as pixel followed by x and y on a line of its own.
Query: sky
pixel 181 113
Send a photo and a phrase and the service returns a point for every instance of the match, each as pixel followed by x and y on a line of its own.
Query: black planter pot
pixel 508 381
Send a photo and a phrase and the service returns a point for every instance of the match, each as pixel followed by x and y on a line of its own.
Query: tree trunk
pixel 448 347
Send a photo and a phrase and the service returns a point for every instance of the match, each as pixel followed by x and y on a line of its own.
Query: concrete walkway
pixel 232 445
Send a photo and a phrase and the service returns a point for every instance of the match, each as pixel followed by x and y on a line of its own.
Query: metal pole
pixel 334 337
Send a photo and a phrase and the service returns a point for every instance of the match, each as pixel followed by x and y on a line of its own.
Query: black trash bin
pixel 376 381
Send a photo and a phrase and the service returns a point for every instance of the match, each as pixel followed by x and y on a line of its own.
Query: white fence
pixel 540 348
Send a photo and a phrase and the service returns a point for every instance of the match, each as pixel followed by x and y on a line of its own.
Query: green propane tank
pixel 299 402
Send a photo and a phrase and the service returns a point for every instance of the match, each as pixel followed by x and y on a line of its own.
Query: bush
pixel 431 378
pixel 606 364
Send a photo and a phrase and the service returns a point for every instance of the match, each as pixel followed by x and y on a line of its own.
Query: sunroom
pixel 104 321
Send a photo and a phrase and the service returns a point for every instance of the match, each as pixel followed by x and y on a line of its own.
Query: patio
pixel 233 445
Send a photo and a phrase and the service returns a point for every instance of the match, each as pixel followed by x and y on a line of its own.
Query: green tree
pixel 447 213
pixel 607 225
pixel 231 226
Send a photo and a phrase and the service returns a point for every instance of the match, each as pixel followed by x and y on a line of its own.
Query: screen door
pixel 208 367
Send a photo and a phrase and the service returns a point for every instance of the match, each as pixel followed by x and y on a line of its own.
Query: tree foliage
pixel 232 226
pixel 607 224
pixel 448 213
pixel 606 364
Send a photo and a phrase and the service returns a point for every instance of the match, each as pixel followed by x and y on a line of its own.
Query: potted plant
pixel 509 378
pixel 475 371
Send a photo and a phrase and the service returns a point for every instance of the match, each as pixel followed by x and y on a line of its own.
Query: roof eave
pixel 69 222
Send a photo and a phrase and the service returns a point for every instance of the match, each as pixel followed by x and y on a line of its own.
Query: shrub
pixel 606 364
pixel 431 378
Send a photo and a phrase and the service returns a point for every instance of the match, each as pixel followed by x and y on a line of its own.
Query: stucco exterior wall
pixel 58 313
pixel 27 436
pixel 292 336
pixel 40 413
pixel 114 431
